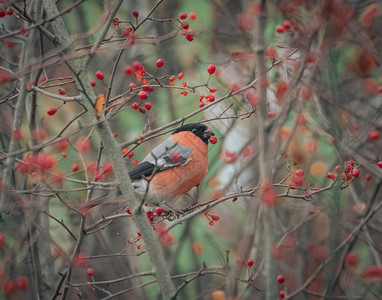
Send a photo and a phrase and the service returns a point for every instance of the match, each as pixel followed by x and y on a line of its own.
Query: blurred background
pixel 295 173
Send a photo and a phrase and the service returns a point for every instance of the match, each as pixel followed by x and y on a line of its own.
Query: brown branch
pixel 61 223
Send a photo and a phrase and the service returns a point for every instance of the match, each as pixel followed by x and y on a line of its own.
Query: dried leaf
pixel 99 104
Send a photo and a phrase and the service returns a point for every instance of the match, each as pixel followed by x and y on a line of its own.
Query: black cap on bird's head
pixel 200 130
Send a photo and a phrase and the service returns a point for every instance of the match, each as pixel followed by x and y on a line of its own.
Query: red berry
pixel 337 169
pixel 128 70
pixel 213 139
pixel 280 29
pixel 300 173
pixel 142 70
pixel 132 85
pixel 292 185
pixel 99 75
pixel 373 135
pixel 280 279
pixel 136 65
pixel 22 283
pixel 148 105
pixel 9 286
pixel 2 13
pixel 135 163
pixel 193 16
pixel 90 272
pixel 182 15
pixel 159 211
pixel 355 173
pixel 107 168
pixel 287 25
pixel 379 164
pixel 98 176
pixel 92 83
pixel 282 294
pixel 160 63
pixel 135 106
pixel 250 263
pixel 211 69
pixel 130 154
pixel 10 12
pixel 135 14
pixel 189 38
pixel 331 175
pixel 64 155
pixel 351 260
pixel 61 92
pixel 211 223
pixel 180 76
pixel 115 21
pixel 126 31
pixel 298 181
pixel 24 31
pixel 125 150
pixel 147 89
pixel 350 163
pixel 184 25
pixel 75 168
pixel 215 217
pixel 271 114
pixel 142 95
pixel 51 111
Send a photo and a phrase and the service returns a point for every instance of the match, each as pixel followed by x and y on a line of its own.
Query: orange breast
pixel 180 180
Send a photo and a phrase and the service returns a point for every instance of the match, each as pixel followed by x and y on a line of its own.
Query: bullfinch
pixel 171 169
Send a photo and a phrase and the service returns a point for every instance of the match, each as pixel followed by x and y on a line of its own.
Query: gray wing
pixel 168 155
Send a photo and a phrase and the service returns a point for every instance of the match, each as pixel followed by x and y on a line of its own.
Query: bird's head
pixel 200 130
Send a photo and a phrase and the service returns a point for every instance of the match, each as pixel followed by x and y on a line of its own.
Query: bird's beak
pixel 208 133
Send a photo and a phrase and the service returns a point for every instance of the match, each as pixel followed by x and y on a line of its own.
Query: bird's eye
pixel 194 130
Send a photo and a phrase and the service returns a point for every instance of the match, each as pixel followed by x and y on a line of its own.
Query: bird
pixel 171 169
